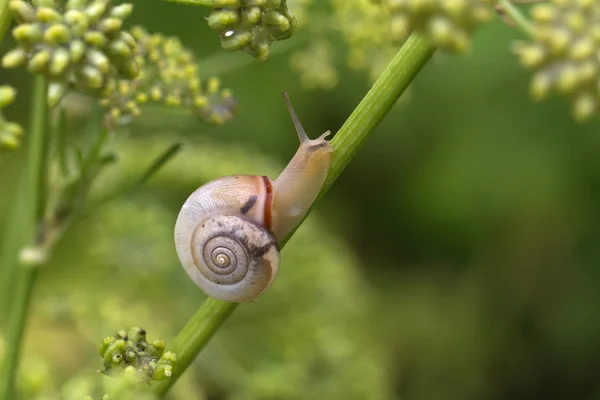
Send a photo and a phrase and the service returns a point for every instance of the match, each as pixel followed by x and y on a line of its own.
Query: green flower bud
pixel 236 41
pixel 95 10
pixel 159 346
pixel 57 34
pixel 129 39
pixel 129 69
pixel 91 77
pixel 582 49
pixel 95 38
pixel 106 342
pixel 56 91
pixel 585 106
pixel 7 140
pixel 251 16
pixel 22 10
pixel 136 334
pixel 222 20
pixel 118 48
pixel 121 11
pixel 117 347
pixel 13 129
pixel 532 56
pixel 540 86
pixel 277 23
pixel 7 95
pixel 14 58
pixel 60 62
pixel 77 50
pixel 47 14
pixel 162 372
pixel 98 60
pixel 110 25
pixel 39 62
pixel 77 20
pixel 28 34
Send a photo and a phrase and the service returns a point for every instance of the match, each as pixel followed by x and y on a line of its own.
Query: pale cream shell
pixel 228 211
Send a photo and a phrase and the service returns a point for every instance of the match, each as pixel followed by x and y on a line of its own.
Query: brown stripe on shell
pixel 268 202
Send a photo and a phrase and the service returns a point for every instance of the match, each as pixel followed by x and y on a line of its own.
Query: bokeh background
pixel 456 257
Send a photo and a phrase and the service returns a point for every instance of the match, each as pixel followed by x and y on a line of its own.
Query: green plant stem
pixel 520 20
pixel 366 117
pixel 5 18
pixel 201 3
pixel 28 209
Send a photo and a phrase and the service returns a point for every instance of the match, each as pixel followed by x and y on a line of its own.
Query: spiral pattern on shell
pixel 235 259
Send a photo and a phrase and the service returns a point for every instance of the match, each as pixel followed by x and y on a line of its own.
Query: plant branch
pixel 201 3
pixel 28 210
pixel 515 14
pixel 366 117
pixel 5 17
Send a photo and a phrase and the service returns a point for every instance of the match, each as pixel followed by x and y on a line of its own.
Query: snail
pixel 227 231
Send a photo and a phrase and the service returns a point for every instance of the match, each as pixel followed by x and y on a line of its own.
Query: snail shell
pixel 227 231
pixel 223 238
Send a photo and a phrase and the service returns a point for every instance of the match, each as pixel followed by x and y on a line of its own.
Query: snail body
pixel 227 232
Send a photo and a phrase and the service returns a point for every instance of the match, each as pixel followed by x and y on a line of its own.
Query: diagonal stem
pixel 362 122
pixel 519 19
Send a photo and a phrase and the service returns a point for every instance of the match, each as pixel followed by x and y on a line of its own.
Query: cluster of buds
pixel 251 25
pixel 78 43
pixel 168 76
pixel 565 53
pixel 9 131
pixel 448 23
pixel 129 351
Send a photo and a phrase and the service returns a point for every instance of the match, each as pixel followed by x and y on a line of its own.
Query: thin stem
pixel 202 3
pixel 366 117
pixel 520 20
pixel 26 274
pixel 5 18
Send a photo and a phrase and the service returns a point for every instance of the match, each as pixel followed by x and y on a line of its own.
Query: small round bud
pixel 121 11
pixel 7 140
pixel 28 34
pixel 95 10
pixel 14 58
pixel 584 107
pixel 118 48
pixel 251 16
pixel 222 20
pixel 7 95
pixel 235 41
pixel 23 10
pixel 95 38
pixel 13 129
pixel 91 77
pixel 77 20
pixel 540 86
pixel 110 25
pixel 98 60
pixel 60 62
pixel 57 34
pixel 77 50
pixel 39 62
pixel 47 14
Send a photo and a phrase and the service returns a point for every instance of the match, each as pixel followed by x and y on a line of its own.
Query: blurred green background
pixel 455 258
